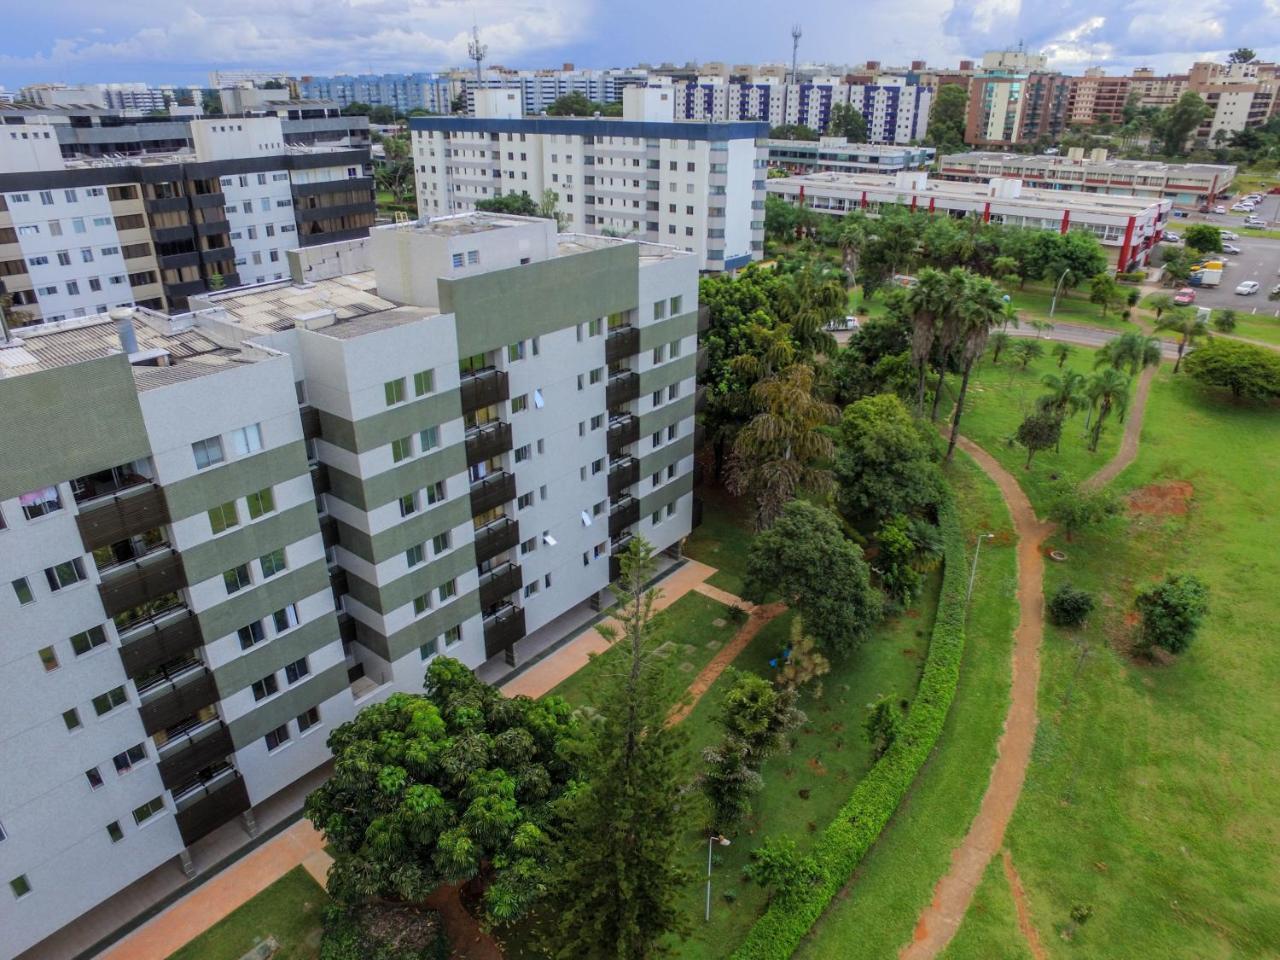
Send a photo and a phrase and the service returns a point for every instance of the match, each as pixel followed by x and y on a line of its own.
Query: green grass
pixel 686 629
pixel 876 914
pixel 990 930
pixel 1001 396
pixel 289 910
pixel 1152 790
pixel 1073 307
pixel 723 539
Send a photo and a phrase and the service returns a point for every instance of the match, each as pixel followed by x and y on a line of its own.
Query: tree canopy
pixel 1172 611
pixel 576 104
pixel 947 117
pixel 793 131
pixel 519 204
pixel 885 463
pixel 1249 372
pixel 847 121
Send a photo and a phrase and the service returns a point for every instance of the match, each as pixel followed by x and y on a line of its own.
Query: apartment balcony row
pixel 622 431
pixel 114 514
pixel 499 583
pixel 142 584
pixel 492 491
pixel 503 629
pixel 622 474
pixel 624 515
pixel 160 638
pixel 481 388
pixel 487 441
pixel 494 538
pixel 188 751
pixel 182 696
pixel 622 342
pixel 622 388
pixel 209 803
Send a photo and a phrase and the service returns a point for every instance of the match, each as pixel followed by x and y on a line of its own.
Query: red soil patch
pixel 1162 499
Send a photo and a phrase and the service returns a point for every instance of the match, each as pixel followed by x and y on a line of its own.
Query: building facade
pixel 698 186
pixel 278 507
pixel 403 92
pixel 835 154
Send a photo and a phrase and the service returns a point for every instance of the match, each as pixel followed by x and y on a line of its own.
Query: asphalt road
pixel 1084 336
pixel 1258 260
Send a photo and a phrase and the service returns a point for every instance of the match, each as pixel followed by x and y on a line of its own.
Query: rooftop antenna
pixel 795 51
pixel 476 50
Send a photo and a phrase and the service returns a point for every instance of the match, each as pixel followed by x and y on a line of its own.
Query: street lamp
pixel 711 840
pixel 974 572
pixel 1053 304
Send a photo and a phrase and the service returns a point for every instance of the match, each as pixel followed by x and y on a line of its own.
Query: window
pixel 272 563
pixel 660 310
pixel 401 449
pixel 23 591
pixel 224 517
pixel 94 778
pixel 415 555
pixel 515 351
pixel 286 618
pixel 264 501
pixel 104 703
pixel 523 453
pixel 38 503
pixel 87 640
pixel 524 500
pixel 546 581
pixel 251 634
pixel 394 391
pixel 424 382
pixel 20 886
pixel 265 687
pixel 672 431
pixel 597 466
pixel 207 452
pixel 440 543
pixel 408 504
pixel 277 737
pixel 520 404
pixel 308 720
pixel 529 546
pixel 448 590
pixel 126 761
pixel 65 574
pixel 86 253
pixel 596 375
pixel 46 198
pixel 657 438
pixel 435 492
pixel 530 589
pixel 114 831
pixel 421 604
pixel 429 438
pixel 246 440
pixel 237 578
pixel 452 636
pixel 676 303
pixel 659 353
pixel 457 260
pixel 48 658
pixel 148 810
pixel 293 672
pixel 594 327
pixel 71 718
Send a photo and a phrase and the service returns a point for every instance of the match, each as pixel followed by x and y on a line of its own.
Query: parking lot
pixel 1258 260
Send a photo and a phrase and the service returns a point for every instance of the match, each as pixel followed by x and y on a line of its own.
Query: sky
pixel 178 41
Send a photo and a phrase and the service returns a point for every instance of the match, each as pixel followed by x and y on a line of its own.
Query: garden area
pixel 288 912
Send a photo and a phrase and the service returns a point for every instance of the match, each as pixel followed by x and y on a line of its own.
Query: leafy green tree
pixel 1225 321
pixel 947 118
pixel 1249 372
pixel 778 866
pixel 382 114
pixel 1130 351
pixel 1078 508
pixel 907 547
pixel 883 724
pixel 1176 262
pixel 928 303
pixel 998 342
pixel 759 715
pixel 1189 328
pixel 813 298
pixel 1061 352
pixel 1069 607
pixel 978 310
pixel 847 121
pixel 885 464
pixel 1108 392
pixel 458 785
pixel 1026 350
pixel 573 104
pixel 519 204
pixel 1104 291
pixel 614 874
pixel 1039 431
pixel 1203 238
pixel 458 104
pixel 548 208
pixel 1172 611
pixel 1176 123
pixel 356 109
pixel 1242 55
pixel 805 557
pixel 805 663
pixel 728 781
pixel 1160 302
pixel 785 221
pixel 793 131
pixel 856 371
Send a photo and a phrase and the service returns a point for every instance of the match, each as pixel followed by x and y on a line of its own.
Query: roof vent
pixel 122 317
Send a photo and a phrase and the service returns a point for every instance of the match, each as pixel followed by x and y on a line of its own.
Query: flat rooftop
pixel 844 146
pixel 352 300
pixel 1058 160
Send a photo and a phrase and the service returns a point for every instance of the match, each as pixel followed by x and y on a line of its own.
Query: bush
pixel 1172 610
pixel 848 837
pixel 1134 297
pixel 1068 607
pixel 1135 276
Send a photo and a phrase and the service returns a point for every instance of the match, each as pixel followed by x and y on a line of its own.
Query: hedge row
pixel 1137 276
pixel 847 839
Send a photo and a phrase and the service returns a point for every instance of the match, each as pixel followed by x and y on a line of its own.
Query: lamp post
pixel 712 839
pixel 973 574
pixel 1053 304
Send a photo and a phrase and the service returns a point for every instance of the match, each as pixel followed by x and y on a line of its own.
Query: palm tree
pixel 981 310
pixel 1066 394
pixel 783 448
pixel 813 297
pixel 1062 351
pixel 1131 351
pixel 851 237
pixel 926 303
pixel 1107 390
pixel 1160 302
pixel 998 341
pixel 1188 327
pixel 951 334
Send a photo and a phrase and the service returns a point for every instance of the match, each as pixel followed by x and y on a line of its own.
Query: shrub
pixel 1172 610
pixel 1068 607
pixel 1133 276
pixel 1134 297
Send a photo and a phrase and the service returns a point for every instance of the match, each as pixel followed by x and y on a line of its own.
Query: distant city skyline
pixel 180 42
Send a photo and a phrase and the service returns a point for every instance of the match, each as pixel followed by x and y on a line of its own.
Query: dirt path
pixel 1128 451
pixel 756 622
pixel 1029 932
pixel 940 920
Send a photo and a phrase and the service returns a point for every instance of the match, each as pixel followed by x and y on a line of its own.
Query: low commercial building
pixel 222 533
pixel 1127 227
pixel 838 155
pixel 1186 184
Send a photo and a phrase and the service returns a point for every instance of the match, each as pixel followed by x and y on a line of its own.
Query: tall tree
pixel 927 303
pixel 1066 394
pixel 947 118
pixel 1178 122
pixel 793 131
pixel 847 121
pixel 1203 238
pixel 1129 351
pixel 615 876
pixel 1249 372
pixel 885 465
pixel 1039 431
pixel 520 204
pixel 1242 55
pixel 812 298
pixel 1108 391
pixel 1105 292
pixel 1189 328
pixel 1160 302
pixel 980 310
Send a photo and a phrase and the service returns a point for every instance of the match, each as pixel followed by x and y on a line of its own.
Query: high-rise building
pixel 402 92
pixel 224 532
pixel 697 186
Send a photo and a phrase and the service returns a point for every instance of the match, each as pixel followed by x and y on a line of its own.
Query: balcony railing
pixel 622 388
pixel 137 582
pixel 490 440
pixel 203 810
pixel 622 431
pixel 159 639
pixel 622 475
pixel 499 583
pixel 114 516
pixel 182 757
pixel 503 629
pixel 319 479
pixel 106 484
pixel 310 417
pixel 129 550
pixel 624 515
pixel 493 491
pixel 193 694
pixel 622 342
pixel 483 388
pixel 168 677
pixel 498 536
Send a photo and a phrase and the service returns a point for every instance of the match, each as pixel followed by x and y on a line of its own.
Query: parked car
pixel 1170 238
pixel 1230 248
pixel 1275 291
pixel 1228 235
pixel 1254 222
pixel 1184 297
pixel 1247 288
pixel 1241 207
pixel 842 323
pixel 1219 209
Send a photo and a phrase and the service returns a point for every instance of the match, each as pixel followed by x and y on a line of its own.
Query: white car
pixel 1230 248
pixel 1254 222
pixel 1228 235
pixel 1219 209
pixel 1243 208
pixel 1170 238
pixel 1248 287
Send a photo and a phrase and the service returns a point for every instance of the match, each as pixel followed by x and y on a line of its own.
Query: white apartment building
pixel 696 186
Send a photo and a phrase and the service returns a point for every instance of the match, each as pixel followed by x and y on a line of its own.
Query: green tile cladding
pixel 272 655
pixel 269 714
pixel 419 580
pixel 664 416
pixel 206 489
pixel 502 306
pixel 665 455
pixel 418 528
pixel 664 331
pixel 288 587
pixel 249 541
pixel 422 630
pixel 369 493
pixel 663 495
pixel 381 428
pixel 662 376
pixel 62 423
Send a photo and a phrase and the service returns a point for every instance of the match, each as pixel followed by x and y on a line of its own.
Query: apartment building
pixel 403 92
pixel 697 186
pixel 79 237
pixel 1185 184
pixel 836 154
pixel 135 98
pixel 261 515
pixel 539 89
pixel 1127 227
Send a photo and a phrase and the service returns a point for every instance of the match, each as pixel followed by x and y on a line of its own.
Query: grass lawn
pixel 687 629
pixel 990 930
pixel 723 538
pixel 288 910
pixel 1263 325
pixel 1000 396
pixel 1151 795
pixel 1073 307
pixel 876 914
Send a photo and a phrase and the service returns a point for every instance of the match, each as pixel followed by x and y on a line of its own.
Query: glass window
pixel 264 501
pixel 394 391
pixel 415 555
pixel 87 640
pixel 48 658
pixel 37 503
pixel 223 517
pixel 659 353
pixel 272 563
pixel 308 720
pixel 65 574
pixel 246 440
pixel 515 351
pixel 251 634
pixel 148 810
pixel 20 886
pixel 520 404
pixel 401 449
pixel 293 672
pixel 265 687
pixel 421 604
pixel 429 438
pixel 207 452
pixel 23 591
pixel 71 718
pixel 448 590
pixel 94 778
pixel 408 504
pixel 104 703
pixel 285 618
pixel 660 310
pixel 435 492
pixel 237 578
pixel 452 636
pixel 128 759
pixel 424 382
pixel 114 831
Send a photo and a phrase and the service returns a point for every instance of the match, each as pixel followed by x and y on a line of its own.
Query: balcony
pixel 622 431
pixel 622 342
pixel 168 676
pixel 183 697
pixel 622 388
pixel 623 515
pixel 493 491
pixel 498 583
pixel 106 483
pixel 622 475
pixel 184 756
pixel 704 318
pixel 483 388
pixel 319 478
pixel 310 417
pixel 137 582
pixel 490 440
pixel 155 640
pixel 328 531
pixel 113 516
pixel 496 537
pixel 208 806
pixel 503 629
